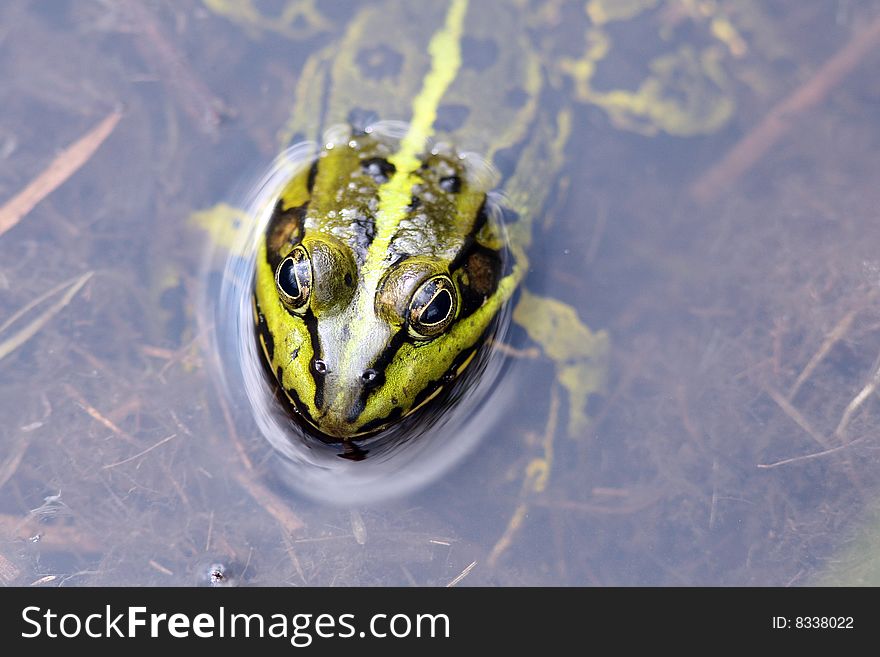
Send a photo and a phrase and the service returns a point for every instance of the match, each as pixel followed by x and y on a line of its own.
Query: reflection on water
pixel 736 442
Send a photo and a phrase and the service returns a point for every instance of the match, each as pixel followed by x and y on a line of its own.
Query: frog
pixel 390 257
pixel 525 79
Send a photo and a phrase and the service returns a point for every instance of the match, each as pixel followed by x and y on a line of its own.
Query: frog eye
pixel 433 307
pixel 293 280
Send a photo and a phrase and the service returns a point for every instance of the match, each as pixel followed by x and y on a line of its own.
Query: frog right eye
pixel 433 307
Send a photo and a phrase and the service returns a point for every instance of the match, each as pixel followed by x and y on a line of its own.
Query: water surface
pixel 737 442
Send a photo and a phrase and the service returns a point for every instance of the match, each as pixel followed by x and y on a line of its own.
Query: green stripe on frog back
pixel 395 195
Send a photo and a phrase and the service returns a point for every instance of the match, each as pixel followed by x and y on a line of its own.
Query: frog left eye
pixel 293 279
pixel 433 307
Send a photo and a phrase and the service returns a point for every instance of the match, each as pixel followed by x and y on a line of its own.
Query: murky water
pixel 736 442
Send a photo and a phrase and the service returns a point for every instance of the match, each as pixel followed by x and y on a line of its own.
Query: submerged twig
pixel 10 465
pixel 751 148
pixel 795 415
pixel 274 506
pixel 537 472
pixel 96 415
pixel 51 537
pixel 291 553
pixel 464 573
pixel 65 164
pixel 807 457
pixel 855 403
pixel 233 434
pixel 205 109
pixel 210 532
pixel 141 453
pixel 863 394
pixel 835 442
pixel 28 331
pixel 358 527
pixel 9 572
pixel 162 569
pixel 840 329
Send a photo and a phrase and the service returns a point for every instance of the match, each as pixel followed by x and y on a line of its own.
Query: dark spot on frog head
pixel 371 378
pixel 451 117
pixel 516 97
pixel 478 54
pixel 450 184
pixel 364 232
pixel 349 281
pixel 379 169
pixel 379 62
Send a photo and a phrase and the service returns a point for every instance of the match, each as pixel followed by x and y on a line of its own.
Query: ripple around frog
pixel 400 460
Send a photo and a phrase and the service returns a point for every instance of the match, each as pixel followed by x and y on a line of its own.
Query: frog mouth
pixel 319 430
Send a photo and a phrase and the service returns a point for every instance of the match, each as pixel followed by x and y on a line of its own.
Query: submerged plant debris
pixel 737 439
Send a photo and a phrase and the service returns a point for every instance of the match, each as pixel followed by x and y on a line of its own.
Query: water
pixel 744 331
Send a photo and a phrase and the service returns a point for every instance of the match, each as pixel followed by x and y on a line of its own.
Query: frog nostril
pixel 320 367
pixel 370 377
